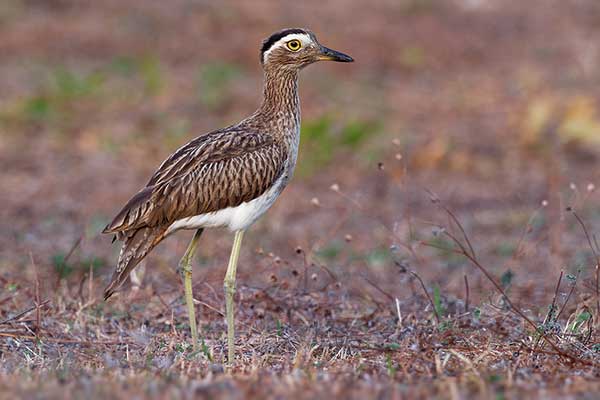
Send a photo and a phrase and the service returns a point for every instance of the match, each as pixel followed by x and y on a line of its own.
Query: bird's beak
pixel 332 55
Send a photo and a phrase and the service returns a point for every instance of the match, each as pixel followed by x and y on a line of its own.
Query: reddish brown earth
pixel 353 285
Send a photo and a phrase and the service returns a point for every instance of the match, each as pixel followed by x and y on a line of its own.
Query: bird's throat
pixel 280 94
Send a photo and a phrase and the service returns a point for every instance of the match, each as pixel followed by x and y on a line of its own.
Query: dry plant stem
pixel 91 285
pixel 437 317
pixel 38 323
pixel 380 290
pixel 466 293
pixel 553 305
pixel 471 257
pixel 513 307
pixel 597 291
pixel 22 313
pixel 449 212
pixel 73 248
pixel 528 227
pixel 186 270
pixel 301 251
pixel 67 341
pixel 596 256
pixel 568 295
pixel 549 315
pixel 229 284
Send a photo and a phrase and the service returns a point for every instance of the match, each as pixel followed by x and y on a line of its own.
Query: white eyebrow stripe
pixel 303 37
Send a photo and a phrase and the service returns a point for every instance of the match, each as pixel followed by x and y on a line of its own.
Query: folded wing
pixel 213 172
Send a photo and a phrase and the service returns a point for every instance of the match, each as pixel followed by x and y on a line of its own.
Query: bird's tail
pixel 136 245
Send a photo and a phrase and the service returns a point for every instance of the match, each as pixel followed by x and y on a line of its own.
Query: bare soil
pixel 437 241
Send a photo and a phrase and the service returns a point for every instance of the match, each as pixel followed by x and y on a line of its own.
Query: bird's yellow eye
pixel 294 45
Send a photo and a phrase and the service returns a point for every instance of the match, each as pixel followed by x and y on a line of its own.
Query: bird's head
pixel 295 49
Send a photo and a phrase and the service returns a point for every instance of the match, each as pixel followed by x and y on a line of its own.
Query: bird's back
pixel 219 179
pixel 215 171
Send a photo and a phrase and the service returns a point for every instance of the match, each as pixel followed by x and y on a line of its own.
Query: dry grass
pixel 438 241
pixel 308 331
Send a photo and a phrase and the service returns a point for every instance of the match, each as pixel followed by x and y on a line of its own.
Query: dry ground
pixel 464 142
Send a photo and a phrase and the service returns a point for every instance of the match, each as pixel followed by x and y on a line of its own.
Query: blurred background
pixel 491 104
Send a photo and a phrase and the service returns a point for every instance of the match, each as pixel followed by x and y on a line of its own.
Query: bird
pixel 225 178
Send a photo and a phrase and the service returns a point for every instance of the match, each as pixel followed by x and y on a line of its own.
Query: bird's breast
pixel 235 218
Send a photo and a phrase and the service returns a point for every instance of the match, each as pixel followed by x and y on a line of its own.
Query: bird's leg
pixel 185 266
pixel 229 284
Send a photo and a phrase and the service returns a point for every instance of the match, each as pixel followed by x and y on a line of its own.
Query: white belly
pixel 234 218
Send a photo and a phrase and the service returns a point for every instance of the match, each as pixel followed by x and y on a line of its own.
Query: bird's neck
pixel 280 98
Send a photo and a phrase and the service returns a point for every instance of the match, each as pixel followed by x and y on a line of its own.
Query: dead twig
pixel 436 200
pixel 470 256
pixel 596 256
pixel 380 290
pixel 466 293
pixel 573 284
pixel 25 312
pixel 437 316
pixel 553 304
pixel 38 324
pixel 551 311
pixel 66 341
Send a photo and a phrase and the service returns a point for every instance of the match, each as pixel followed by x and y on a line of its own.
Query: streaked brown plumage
pixel 215 171
pixel 228 177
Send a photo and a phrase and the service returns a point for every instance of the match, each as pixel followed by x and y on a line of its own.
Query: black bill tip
pixel 333 55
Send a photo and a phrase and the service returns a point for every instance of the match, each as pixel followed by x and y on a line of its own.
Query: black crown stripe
pixel 275 37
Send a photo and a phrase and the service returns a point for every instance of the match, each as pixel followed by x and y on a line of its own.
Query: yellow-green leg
pixel 185 266
pixel 229 284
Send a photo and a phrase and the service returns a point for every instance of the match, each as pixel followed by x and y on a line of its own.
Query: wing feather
pixel 215 171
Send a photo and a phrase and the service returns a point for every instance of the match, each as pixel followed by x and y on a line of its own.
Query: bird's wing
pixel 215 171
